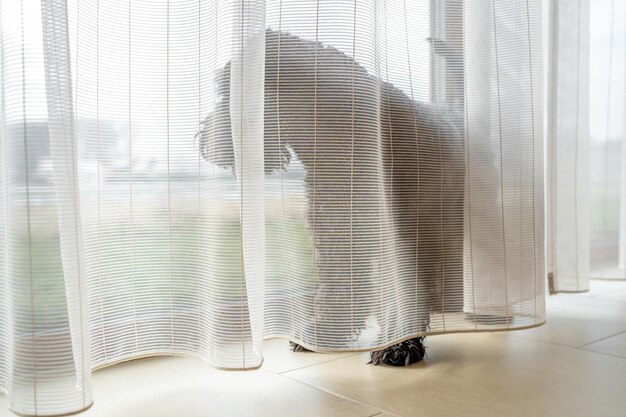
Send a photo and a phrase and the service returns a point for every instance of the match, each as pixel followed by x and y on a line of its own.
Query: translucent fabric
pixel 568 147
pixel 191 177
pixel 608 133
pixel 586 152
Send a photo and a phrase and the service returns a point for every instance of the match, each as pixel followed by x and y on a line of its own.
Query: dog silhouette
pixel 385 178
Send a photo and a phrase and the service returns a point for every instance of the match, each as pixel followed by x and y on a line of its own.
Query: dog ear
pixel 222 82
pixel 212 140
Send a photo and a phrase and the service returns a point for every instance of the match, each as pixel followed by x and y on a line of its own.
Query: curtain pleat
pixel 247 123
pixel 47 369
pixel 568 161
pixel 504 146
pixel 4 284
pixel 191 177
pixel 608 167
pixel 586 169
pixel 63 153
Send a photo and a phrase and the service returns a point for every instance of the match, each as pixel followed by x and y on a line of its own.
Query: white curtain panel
pixel 586 134
pixel 567 237
pixel 608 135
pixel 191 177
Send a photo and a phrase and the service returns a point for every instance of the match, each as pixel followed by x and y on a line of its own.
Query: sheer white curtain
pixel 568 146
pixel 608 133
pixel 586 152
pixel 190 177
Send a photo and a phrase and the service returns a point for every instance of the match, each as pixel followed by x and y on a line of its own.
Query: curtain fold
pixel 47 368
pixel 191 177
pixel 64 157
pixel 504 145
pixel 608 220
pixel 586 169
pixel 246 111
pixel 568 147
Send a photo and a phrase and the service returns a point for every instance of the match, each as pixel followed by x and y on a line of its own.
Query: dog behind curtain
pixel 406 162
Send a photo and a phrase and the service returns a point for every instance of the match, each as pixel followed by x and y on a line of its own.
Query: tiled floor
pixel 573 366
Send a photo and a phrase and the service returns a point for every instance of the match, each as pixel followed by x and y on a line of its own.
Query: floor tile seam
pixel 313 364
pixel 601 339
pixel 530 339
pixel 338 395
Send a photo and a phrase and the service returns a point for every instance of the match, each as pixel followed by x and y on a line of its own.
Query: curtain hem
pixel 71 413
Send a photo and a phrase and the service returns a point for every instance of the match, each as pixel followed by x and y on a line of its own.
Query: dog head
pixel 215 136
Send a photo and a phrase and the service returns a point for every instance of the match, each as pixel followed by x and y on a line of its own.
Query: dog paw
pixel 298 348
pixel 401 354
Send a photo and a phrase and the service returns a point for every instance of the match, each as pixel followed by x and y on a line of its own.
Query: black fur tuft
pixel 298 348
pixel 402 354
